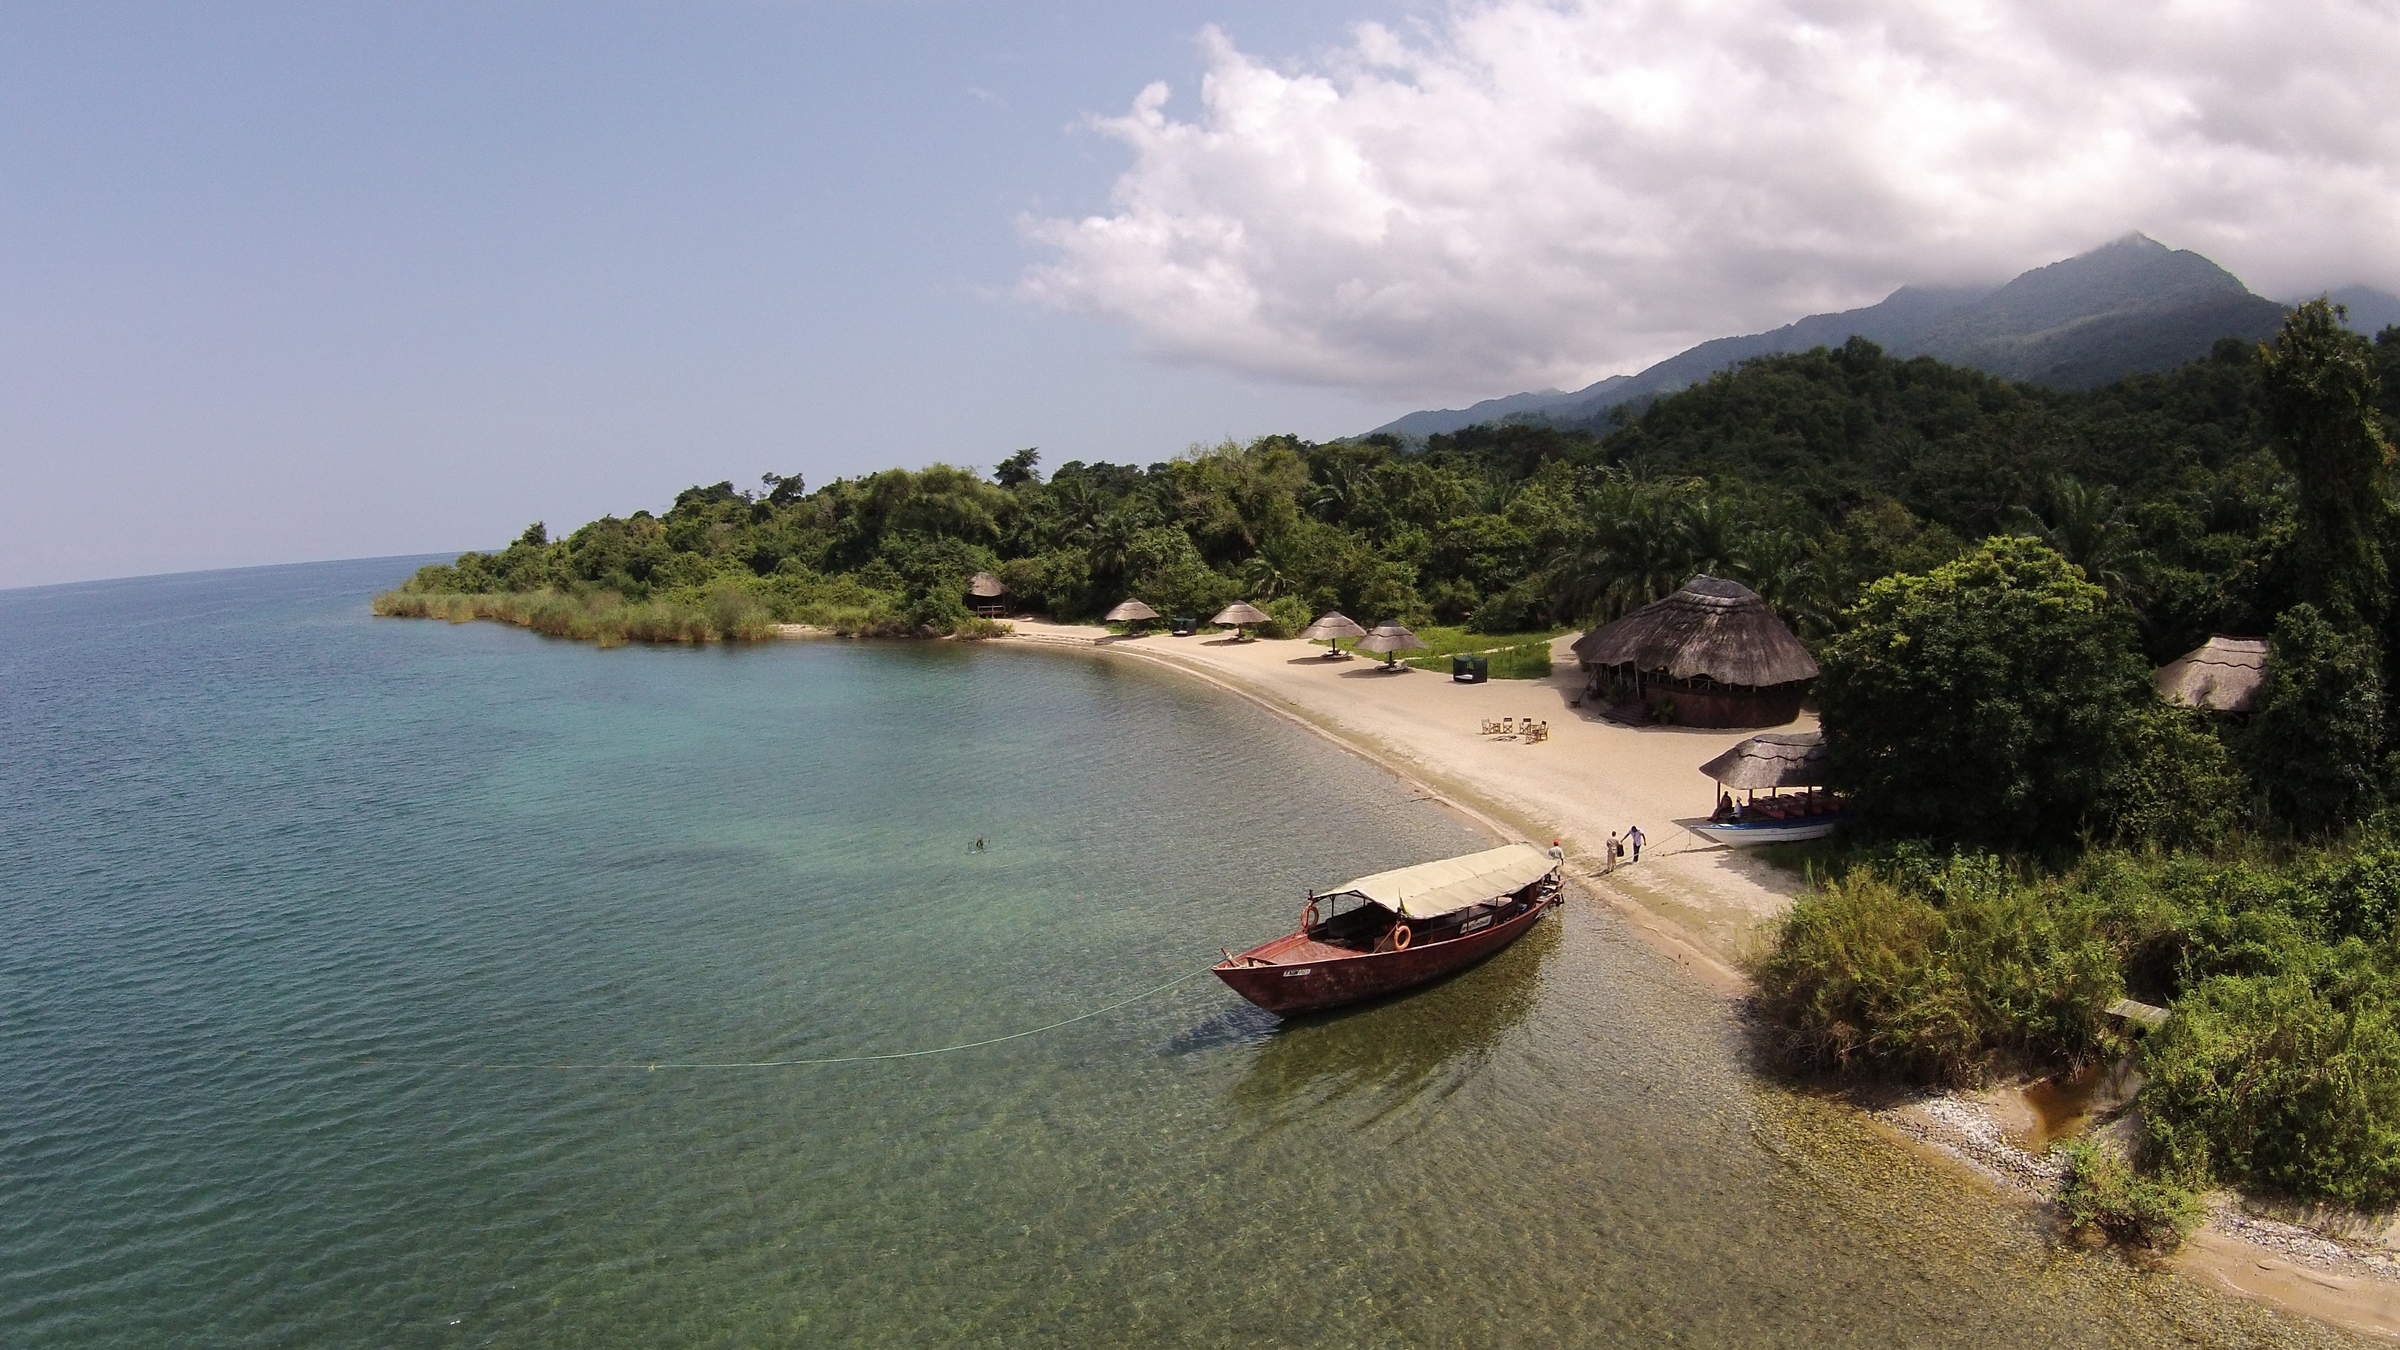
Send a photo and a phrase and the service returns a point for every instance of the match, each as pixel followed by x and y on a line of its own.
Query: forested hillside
pixel 1804 476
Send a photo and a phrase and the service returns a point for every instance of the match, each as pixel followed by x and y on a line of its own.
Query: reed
pixel 603 617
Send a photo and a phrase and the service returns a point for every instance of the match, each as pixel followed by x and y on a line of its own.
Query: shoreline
pixel 1702 912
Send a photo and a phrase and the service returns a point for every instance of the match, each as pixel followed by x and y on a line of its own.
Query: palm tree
pixel 1332 498
pixel 1711 537
pixel 1782 566
pixel 2089 527
pixel 1263 576
pixel 1108 540
pixel 1635 547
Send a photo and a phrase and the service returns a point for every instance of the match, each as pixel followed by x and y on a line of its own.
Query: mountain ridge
pixel 2132 304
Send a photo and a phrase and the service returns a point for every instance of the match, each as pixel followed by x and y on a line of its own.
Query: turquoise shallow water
pixel 268 863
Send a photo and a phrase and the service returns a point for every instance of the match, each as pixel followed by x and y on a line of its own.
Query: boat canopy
pixel 1430 890
pixel 1776 760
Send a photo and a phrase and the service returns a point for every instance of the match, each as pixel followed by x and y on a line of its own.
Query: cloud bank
pixel 1526 193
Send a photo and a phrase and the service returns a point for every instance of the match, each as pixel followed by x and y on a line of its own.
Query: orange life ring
pixel 1401 937
pixel 1308 916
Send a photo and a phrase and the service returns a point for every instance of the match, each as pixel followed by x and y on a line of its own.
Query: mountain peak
pixel 2132 241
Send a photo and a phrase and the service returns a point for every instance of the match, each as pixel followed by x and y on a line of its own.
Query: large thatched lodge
pixel 1710 655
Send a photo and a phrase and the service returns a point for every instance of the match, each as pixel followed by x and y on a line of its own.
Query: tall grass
pixel 604 617
pixel 1525 661
pixel 1447 639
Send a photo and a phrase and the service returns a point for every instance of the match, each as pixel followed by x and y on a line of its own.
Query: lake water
pixel 269 866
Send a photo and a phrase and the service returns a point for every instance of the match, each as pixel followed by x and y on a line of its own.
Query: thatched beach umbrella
pixel 1330 628
pixel 2222 675
pixel 1130 611
pixel 1391 639
pixel 1238 614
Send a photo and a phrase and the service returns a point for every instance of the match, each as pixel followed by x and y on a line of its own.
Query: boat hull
pixel 1293 975
pixel 1751 835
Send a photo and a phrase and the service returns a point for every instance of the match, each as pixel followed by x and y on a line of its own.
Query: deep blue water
pixel 270 868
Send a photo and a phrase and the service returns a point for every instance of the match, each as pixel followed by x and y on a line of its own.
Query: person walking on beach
pixel 1633 840
pixel 1557 854
pixel 1615 850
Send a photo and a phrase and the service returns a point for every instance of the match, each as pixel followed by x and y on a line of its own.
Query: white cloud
pixel 1528 193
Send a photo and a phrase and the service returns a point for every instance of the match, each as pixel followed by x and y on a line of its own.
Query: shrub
pixel 2174 783
pixel 863 621
pixel 1286 616
pixel 2314 746
pixel 977 629
pixel 736 612
pixel 1943 978
pixel 2269 1081
pixel 1944 710
pixel 2100 1193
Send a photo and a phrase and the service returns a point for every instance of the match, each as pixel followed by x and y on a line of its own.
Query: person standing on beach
pixel 1614 850
pixel 1557 854
pixel 1633 840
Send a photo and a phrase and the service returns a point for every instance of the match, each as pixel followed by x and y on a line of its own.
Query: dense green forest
pixel 1988 572
pixel 1804 476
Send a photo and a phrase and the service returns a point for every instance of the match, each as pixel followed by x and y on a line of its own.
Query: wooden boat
pixel 1758 830
pixel 1775 761
pixel 1400 929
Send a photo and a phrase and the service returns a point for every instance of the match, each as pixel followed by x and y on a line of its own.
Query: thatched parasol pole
pixel 1330 628
pixel 1391 639
pixel 1237 615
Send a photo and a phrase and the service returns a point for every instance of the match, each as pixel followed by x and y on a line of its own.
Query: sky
pixel 325 279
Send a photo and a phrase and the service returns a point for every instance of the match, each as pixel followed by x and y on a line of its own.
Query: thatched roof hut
pixel 2222 675
pixel 985 594
pixel 1781 759
pixel 1710 655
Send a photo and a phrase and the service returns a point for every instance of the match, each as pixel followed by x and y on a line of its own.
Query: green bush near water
pixel 596 617
pixel 2276 1083
pixel 2277 1070
pixel 1949 977
pixel 2101 1194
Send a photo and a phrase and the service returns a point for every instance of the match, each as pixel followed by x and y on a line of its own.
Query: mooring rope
pixel 793 1063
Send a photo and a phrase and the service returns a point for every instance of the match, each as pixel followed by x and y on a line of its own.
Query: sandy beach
pixel 1707 904
pixel 1590 778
